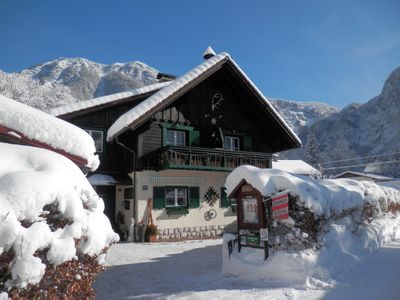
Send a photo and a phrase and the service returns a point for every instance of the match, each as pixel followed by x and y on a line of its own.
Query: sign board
pixel 280 205
pixel 264 234
pixel 250 210
pixel 246 188
pixel 251 217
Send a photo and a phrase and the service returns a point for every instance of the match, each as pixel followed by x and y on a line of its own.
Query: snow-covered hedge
pixel 52 225
pixel 331 223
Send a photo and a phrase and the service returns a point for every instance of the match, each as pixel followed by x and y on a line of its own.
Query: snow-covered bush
pixel 53 233
pixel 331 223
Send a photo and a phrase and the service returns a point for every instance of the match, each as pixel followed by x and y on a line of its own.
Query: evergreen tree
pixel 312 153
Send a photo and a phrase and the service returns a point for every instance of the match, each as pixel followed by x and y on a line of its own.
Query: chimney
pixel 208 53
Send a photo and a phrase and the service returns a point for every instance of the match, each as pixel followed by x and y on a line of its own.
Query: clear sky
pixel 333 51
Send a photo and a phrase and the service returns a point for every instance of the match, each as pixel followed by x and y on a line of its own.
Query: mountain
pixel 357 130
pixel 363 130
pixel 300 115
pixel 68 80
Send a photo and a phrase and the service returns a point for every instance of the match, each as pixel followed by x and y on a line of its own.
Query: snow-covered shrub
pixel 53 233
pixel 331 223
pixel 300 231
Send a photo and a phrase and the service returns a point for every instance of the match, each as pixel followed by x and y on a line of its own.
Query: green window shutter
pixel 158 197
pixel 164 136
pixel 247 143
pixel 194 138
pixel 194 197
pixel 224 198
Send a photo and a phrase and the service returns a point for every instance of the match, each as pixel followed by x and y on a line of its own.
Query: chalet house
pixel 168 148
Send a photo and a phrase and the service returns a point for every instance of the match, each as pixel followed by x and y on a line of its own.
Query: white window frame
pixel 97 143
pixel 176 134
pixel 229 143
pixel 175 196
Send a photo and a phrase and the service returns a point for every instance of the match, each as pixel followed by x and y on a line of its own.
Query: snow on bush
pixel 50 217
pixel 332 224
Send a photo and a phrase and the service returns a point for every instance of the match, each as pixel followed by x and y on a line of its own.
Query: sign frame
pixel 251 238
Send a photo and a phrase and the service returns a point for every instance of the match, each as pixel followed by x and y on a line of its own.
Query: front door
pixel 107 192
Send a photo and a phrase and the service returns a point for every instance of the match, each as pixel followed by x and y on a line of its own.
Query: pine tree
pixel 312 153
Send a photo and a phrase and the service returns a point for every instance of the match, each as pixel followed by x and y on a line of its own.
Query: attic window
pixel 176 137
pixel 231 143
pixel 97 136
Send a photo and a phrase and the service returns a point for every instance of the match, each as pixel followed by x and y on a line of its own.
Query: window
pixel 97 136
pixel 128 193
pixel 176 138
pixel 175 196
pixel 231 143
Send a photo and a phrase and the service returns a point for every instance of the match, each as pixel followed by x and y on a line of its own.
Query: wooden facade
pixel 189 135
pixel 217 107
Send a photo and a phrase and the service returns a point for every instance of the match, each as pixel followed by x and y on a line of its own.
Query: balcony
pixel 190 158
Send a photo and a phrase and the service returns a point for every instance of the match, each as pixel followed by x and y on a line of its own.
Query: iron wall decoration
pixel 211 196
pixel 215 118
pixel 210 214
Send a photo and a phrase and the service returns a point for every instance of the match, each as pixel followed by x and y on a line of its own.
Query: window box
pixel 177 210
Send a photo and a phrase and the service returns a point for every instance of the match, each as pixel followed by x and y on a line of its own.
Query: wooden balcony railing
pixel 173 157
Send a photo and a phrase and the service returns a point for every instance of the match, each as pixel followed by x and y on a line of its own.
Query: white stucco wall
pixel 203 179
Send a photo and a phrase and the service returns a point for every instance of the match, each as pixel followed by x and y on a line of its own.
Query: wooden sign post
pixel 252 225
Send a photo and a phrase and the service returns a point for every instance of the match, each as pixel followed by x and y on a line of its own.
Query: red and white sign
pixel 280 205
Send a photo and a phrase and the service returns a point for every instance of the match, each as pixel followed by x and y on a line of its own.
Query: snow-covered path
pixel 191 270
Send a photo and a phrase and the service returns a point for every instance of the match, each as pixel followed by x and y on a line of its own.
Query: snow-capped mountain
pixel 363 130
pixel 355 131
pixel 300 115
pixel 67 80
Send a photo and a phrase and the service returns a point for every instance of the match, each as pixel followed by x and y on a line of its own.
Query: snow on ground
pixel 356 254
pixel 192 270
pixel 32 182
pixel 42 127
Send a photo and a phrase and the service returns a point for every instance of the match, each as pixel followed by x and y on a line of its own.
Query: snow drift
pixel 332 224
pixel 49 214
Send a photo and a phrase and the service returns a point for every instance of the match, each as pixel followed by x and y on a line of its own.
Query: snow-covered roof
pixel 374 177
pixel 295 166
pixel 166 95
pixel 31 126
pixel 82 105
pixel 322 197
pixel 393 184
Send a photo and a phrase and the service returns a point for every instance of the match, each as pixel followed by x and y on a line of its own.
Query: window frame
pixel 96 142
pixel 231 138
pixel 176 196
pixel 176 134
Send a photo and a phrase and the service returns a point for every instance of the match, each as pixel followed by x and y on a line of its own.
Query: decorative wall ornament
pixel 215 117
pixel 210 214
pixel 211 196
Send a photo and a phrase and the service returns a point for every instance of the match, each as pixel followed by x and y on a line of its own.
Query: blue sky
pixel 332 51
